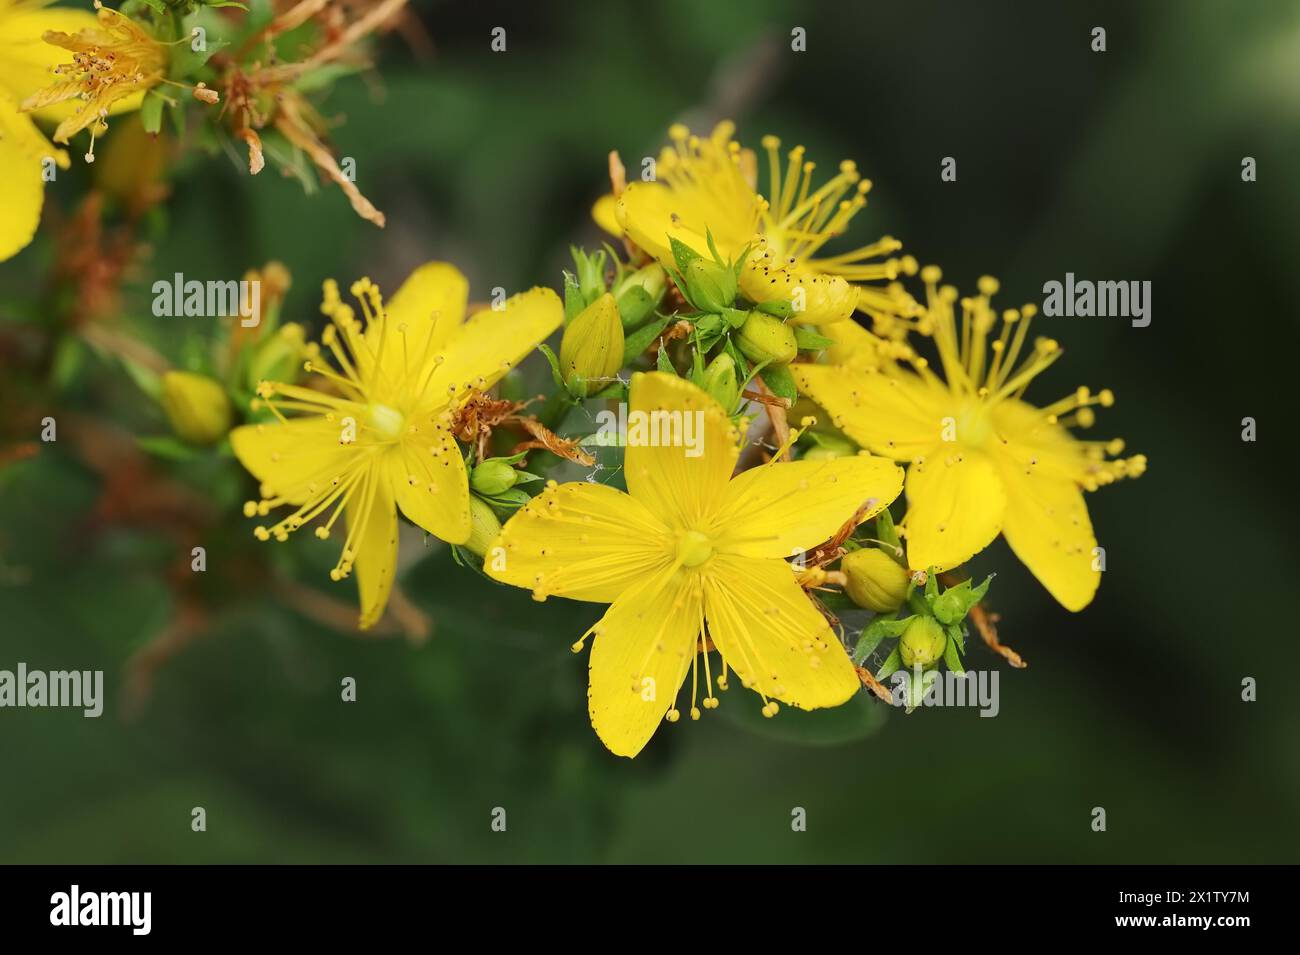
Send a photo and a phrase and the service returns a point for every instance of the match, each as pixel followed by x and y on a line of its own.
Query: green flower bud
pixel 764 338
pixel 639 293
pixel 922 643
pixel 719 380
pixel 196 406
pixel 492 477
pixel 591 274
pixel 875 580
pixel 484 526
pixel 710 286
pixel 592 346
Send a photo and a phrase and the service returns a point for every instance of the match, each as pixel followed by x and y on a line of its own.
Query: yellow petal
pixel 27 58
pixel 955 506
pixel 374 544
pixel 22 191
pixel 641 652
pixel 897 416
pixel 287 457
pixel 768 631
pixel 582 541
pixel 779 510
pixel 492 342
pixel 431 306
pixel 1048 527
pixel 854 347
pixel 604 212
pixel 432 489
pixel 648 214
pixel 681 449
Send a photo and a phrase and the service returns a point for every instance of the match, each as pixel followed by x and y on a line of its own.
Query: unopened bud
pixel 639 293
pixel 719 380
pixel 484 526
pixel 196 406
pixel 922 643
pixel 592 347
pixel 766 339
pixel 875 580
pixel 709 286
pixel 492 477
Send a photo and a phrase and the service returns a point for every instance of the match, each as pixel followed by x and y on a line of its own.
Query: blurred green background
pixel 1116 165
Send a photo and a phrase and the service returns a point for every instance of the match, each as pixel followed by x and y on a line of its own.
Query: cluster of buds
pixel 759 338
pixel 601 318
pixel 927 622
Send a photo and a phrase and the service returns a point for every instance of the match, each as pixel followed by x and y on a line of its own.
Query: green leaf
pixel 683 255
pixel 663 362
pixel 781 383
pixel 777 307
pixel 554 363
pixel 890 666
pixel 617 391
pixel 735 317
pixel 641 339
pixel 573 303
pixel 957 636
pixel 151 112
pixel 509 500
pixel 879 629
pixel 951 656
pixel 808 340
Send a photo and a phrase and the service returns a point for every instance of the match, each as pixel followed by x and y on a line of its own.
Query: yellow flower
pixel 983 461
pixel 25 62
pixel 381 440
pixel 689 548
pixel 711 186
pixel 114 61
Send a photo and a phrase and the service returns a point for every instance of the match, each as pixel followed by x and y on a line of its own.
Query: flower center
pixel 973 426
pixel 387 422
pixel 693 548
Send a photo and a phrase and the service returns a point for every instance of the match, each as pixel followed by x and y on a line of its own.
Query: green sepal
pixel 777 307
pixel 616 391
pixel 808 340
pixel 951 655
pixel 781 383
pixel 573 304
pixel 663 362
pixel 683 255
pixel 555 365
pixel 890 666
pixel 956 635
pixel 638 341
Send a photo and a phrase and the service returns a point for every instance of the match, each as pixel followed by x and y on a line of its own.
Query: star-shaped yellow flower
pixel 710 185
pixel 380 440
pixel 983 461
pixel 689 553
